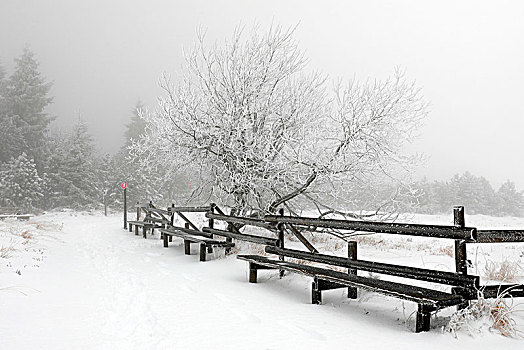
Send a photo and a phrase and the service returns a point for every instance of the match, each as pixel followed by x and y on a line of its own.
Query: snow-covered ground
pixel 80 281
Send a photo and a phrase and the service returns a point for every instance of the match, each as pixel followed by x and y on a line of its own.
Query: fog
pixel 105 56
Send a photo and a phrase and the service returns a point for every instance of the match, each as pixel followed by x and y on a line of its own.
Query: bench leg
pixel 202 252
pixel 281 272
pixel 187 247
pixel 466 293
pixel 136 230
pixel 144 231
pixel 228 249
pixel 352 292
pixel 423 319
pixel 252 273
pixel 170 238
pixel 316 293
pixel 165 237
pixel 130 228
pixel 463 305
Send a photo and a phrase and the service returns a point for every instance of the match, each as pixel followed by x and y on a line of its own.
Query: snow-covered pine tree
pixel 25 99
pixel 137 125
pixel 79 179
pixel 55 172
pixel 10 136
pixel 107 181
pixel 20 183
pixel 142 183
pixel 511 200
pixel 147 181
pixel 2 82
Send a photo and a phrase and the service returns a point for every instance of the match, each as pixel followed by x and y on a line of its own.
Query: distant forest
pixel 475 193
pixel 43 170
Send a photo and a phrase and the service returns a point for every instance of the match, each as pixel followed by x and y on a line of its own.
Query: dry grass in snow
pixel 504 271
pixel 495 315
pixel 22 243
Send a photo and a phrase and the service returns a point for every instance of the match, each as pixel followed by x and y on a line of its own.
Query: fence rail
pixel 437 231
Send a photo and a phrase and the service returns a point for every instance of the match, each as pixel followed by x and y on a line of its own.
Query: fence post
pixel 228 228
pixel 280 228
pixel 211 222
pixel 460 245
pixel 352 255
pixel 125 208
pixel 187 244
pixel 137 216
pixel 461 265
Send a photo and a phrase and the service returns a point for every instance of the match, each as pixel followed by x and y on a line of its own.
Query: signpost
pixel 124 187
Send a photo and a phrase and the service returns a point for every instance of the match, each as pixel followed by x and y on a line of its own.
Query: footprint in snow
pixel 188 288
pixel 222 298
pixel 190 277
pixel 165 272
pixel 246 316
pixel 225 299
pixel 313 334
pixel 153 254
pixel 299 330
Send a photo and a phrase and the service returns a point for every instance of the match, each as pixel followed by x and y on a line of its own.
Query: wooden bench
pixel 190 233
pixel 21 217
pixel 206 242
pixel 464 287
pixel 428 300
pixel 155 218
pixel 14 213
pixel 234 223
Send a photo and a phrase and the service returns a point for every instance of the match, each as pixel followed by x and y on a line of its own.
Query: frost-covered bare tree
pixel 263 132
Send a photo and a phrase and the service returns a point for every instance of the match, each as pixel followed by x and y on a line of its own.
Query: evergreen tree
pixel 10 135
pixel 107 181
pixel 56 148
pixel 136 127
pixel 25 99
pixel 20 184
pixel 11 138
pixel 79 178
pixel 475 193
pixel 143 182
pixel 511 200
pixel 2 83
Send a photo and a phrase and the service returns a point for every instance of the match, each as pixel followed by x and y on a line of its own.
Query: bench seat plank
pixel 179 230
pixel 433 298
pixel 143 223
pixel 159 220
pixel 242 236
pixel 16 216
pixel 442 277
pixel 196 239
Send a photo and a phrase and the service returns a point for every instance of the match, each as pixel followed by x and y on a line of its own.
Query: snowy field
pixel 80 281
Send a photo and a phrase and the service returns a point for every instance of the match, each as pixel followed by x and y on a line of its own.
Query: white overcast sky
pixel 468 56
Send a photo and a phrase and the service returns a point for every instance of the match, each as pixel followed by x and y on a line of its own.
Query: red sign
pixel 123 185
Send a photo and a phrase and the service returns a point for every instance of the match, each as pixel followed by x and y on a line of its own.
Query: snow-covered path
pixel 101 287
